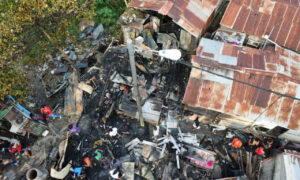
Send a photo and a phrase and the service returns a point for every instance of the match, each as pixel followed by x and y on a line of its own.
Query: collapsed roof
pixel 191 15
pixel 274 70
pixel 277 18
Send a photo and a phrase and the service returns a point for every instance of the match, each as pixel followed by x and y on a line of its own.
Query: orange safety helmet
pixel 236 143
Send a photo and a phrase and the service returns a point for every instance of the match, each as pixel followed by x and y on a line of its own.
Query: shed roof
pixel 277 70
pixel 191 15
pixel 281 18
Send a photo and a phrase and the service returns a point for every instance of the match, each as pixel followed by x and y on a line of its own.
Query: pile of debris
pixel 91 127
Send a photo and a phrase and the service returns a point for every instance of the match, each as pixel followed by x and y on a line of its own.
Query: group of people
pixel 263 148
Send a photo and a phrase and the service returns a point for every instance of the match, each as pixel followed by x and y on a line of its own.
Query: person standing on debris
pixel 116 163
pixel 196 124
pixel 155 132
pixel 283 143
pixel 48 112
pixel 73 129
pixel 260 151
pixel 268 144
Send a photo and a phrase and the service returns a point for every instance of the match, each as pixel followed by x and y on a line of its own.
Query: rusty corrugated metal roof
pixel 191 15
pixel 281 18
pixel 277 70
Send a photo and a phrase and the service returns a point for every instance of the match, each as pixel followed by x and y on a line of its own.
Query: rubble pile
pixel 85 123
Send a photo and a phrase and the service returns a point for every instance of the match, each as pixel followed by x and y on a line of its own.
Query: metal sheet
pixel 191 15
pixel 279 19
pixel 205 90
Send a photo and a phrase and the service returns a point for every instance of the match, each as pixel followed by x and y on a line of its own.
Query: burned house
pixel 192 15
pixel 274 20
pixel 243 87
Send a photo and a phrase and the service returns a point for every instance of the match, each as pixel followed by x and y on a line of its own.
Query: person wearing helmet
pixel 236 143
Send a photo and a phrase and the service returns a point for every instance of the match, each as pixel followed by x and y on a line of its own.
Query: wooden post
pixel 133 73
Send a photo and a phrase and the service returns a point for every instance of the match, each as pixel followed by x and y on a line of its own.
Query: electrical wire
pixel 242 82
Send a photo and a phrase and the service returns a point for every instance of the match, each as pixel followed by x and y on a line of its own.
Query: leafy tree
pixel 30 29
pixel 108 13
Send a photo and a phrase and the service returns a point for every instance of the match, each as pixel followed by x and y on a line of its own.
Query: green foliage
pixel 11 82
pixel 108 13
pixel 23 24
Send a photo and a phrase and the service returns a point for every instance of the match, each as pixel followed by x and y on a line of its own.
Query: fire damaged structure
pixel 192 15
pixel 213 100
pixel 246 87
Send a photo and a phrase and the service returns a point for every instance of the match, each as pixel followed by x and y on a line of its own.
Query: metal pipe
pixel 133 73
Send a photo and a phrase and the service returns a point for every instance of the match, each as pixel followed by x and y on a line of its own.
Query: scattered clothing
pixel 87 162
pixel 115 173
pixel 77 171
pixel 98 155
pixel 113 132
pixel 74 129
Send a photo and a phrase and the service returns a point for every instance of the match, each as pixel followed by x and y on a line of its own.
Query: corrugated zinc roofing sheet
pixel 252 66
pixel 191 15
pixel 278 18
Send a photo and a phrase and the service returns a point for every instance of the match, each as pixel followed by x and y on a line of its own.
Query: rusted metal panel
pixel 294 119
pixel 253 21
pixel 206 93
pixel 279 19
pixel 241 19
pixel 262 24
pixel 286 25
pixel 258 61
pixel 263 96
pixel 253 66
pixel 191 15
pixel 219 96
pixel 232 10
pixel 277 13
pixel 192 90
pixel 294 37
pixel 244 60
